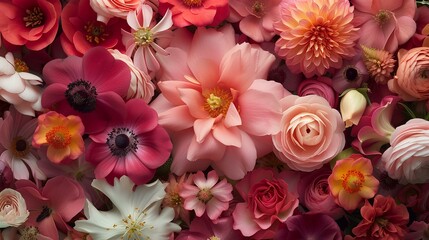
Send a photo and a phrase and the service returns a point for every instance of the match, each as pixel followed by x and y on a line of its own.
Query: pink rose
pixel 268 202
pixel 411 80
pixel 107 9
pixel 309 127
pixel 407 158
pixel 321 87
pixel 13 210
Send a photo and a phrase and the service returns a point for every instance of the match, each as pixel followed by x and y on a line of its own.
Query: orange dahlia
pixel 315 35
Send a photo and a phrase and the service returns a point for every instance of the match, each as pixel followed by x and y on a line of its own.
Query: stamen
pixel 143 36
pixel 58 137
pixel 19 147
pixel 34 17
pixel 121 141
pixel 193 3
pixel 81 96
pixel 352 181
pixel 95 32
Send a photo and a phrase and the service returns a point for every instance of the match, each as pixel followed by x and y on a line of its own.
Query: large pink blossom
pixel 216 105
pixel 384 24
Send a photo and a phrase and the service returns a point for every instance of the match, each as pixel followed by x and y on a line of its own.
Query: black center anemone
pixel 81 96
pixel 121 141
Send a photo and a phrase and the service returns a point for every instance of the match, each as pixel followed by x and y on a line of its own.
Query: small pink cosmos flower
pixel 141 43
pixel 61 134
pixel 207 194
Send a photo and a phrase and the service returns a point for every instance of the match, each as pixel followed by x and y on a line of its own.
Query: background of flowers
pixel 204 119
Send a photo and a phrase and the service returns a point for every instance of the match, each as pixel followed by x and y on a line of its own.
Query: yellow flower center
pixel 19 147
pixel 258 8
pixel 217 101
pixel 193 3
pixel 20 66
pixel 382 17
pixel 95 32
pixel 143 36
pixel 204 195
pixel 58 137
pixel 214 238
pixel 34 17
pixel 352 181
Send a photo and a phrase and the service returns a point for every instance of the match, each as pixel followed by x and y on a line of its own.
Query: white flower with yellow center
pixel 136 215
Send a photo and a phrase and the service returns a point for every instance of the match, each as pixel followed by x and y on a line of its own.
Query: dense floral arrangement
pixel 214 119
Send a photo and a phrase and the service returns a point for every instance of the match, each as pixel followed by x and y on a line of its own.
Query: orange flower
pixel 315 35
pixel 351 181
pixel 62 135
pixel 380 63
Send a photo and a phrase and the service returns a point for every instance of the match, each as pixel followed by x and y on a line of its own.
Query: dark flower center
pixel 351 74
pixel 33 17
pixel 121 141
pixel 95 32
pixel 81 96
pixel 46 212
pixel 20 147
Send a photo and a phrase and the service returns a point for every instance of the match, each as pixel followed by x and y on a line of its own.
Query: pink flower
pixel 16 134
pixel 13 210
pixel 315 35
pixel 141 43
pixel 91 87
pixel 384 24
pixel 308 127
pixel 174 200
pixel 418 230
pixel 32 23
pixel 133 144
pixel 207 195
pixel 6 176
pixel 216 104
pixel 268 202
pixel 407 157
pixel 310 226
pixel 320 86
pixel 196 12
pixel 256 17
pixel 352 74
pixel 379 63
pixel 107 9
pixel 82 31
pixel 315 195
pixel 52 206
pixel 384 219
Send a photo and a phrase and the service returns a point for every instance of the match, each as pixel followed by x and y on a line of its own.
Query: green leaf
pixel 408 110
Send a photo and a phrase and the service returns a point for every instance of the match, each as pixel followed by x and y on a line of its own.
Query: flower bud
pixel 13 210
pixel 352 107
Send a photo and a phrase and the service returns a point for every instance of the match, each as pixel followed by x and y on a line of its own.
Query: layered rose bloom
pixel 309 126
pixel 107 9
pixel 407 158
pixel 321 86
pixel 216 105
pixel 32 23
pixel 411 80
pixel 13 210
pixel 268 202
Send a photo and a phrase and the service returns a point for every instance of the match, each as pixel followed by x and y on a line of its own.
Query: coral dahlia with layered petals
pixel 133 145
pixel 90 87
pixel 315 35
pixel 216 105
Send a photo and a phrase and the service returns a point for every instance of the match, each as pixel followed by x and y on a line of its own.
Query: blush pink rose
pixel 310 126
pixel 407 158
pixel 411 80
pixel 268 202
pixel 107 9
pixel 320 86
pixel 13 210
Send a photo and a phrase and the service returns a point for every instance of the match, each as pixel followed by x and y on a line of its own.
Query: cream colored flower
pixel 352 107
pixel 13 210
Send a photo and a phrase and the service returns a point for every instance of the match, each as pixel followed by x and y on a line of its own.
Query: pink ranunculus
pixel 407 158
pixel 32 23
pixel 315 195
pixel 216 103
pixel 13 210
pixel 107 9
pixel 384 24
pixel 268 202
pixel 309 127
pixel 321 86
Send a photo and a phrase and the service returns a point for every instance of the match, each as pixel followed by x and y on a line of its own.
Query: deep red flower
pixel 33 23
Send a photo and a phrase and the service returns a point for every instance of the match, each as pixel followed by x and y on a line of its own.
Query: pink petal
pixel 195 102
pixel 227 136
pixel 243 220
pixel 204 71
pixel 209 149
pixel 202 127
pixel 137 171
pixel 145 119
pixel 406 29
pixel 154 148
pixel 214 208
pixel 232 117
pixel 63 71
pixel 178 59
pixel 165 23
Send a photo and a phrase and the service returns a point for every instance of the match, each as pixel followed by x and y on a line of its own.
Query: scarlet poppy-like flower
pixel 351 181
pixel 196 12
pixel 82 31
pixel 384 219
pixel 133 145
pixel 13 210
pixel 411 80
pixel 384 24
pixel 61 134
pixel 315 35
pixel 91 87
pixel 380 64
pixel 207 195
pixel 32 23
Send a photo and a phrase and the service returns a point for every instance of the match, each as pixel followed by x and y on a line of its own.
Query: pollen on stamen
pixel 217 101
pixel 58 137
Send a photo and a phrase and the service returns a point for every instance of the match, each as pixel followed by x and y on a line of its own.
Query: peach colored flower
pixel 315 35
pixel 309 126
pixel 13 210
pixel 173 199
pixel 380 63
pixel 107 9
pixel 411 80
pixel 351 181
pixel 384 24
pixel 62 135
pixel 407 158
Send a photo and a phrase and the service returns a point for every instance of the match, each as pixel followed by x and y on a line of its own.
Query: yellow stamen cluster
pixel 217 101
pixel 58 137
